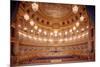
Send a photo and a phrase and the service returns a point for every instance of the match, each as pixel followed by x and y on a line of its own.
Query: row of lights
pixel 56 32
pixel 51 39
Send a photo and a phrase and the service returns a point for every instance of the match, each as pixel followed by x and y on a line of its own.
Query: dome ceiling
pixel 48 22
pixel 55 10
pixel 53 15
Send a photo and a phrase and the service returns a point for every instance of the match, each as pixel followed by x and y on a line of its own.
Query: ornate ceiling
pixel 55 11
pixel 52 24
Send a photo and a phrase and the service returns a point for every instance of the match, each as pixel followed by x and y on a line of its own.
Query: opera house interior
pixel 49 33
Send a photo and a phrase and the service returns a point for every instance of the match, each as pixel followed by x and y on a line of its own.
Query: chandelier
pixel 35 7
